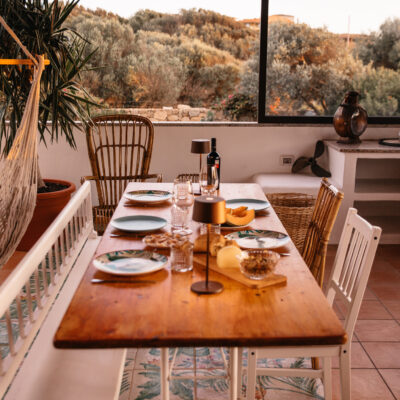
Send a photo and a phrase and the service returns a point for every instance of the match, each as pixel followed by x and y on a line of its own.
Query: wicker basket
pixel 295 211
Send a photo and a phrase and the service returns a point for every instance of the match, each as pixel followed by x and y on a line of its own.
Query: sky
pixel 364 15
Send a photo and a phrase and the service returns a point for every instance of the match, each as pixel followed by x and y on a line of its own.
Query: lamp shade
pixel 209 210
pixel 200 146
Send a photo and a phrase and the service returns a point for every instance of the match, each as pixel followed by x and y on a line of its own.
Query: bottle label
pixel 216 163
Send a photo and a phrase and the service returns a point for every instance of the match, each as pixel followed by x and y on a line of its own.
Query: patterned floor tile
pixel 148 357
pixel 146 386
pixel 146 381
pixel 130 359
pixel 211 357
pixel 126 384
pixel 283 388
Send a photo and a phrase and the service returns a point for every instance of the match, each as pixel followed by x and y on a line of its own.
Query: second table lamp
pixel 200 146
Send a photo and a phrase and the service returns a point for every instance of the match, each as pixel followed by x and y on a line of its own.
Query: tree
pixel 379 89
pixel 145 62
pixel 383 47
pixel 108 77
pixel 308 71
pixel 219 31
pixel 156 76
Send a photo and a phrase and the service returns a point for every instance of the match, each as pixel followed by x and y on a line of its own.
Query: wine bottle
pixel 214 158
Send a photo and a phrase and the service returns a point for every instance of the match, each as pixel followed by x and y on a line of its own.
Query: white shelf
pixel 374 196
pixel 377 186
pixel 369 176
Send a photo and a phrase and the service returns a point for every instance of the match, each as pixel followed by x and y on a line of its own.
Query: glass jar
pixel 181 257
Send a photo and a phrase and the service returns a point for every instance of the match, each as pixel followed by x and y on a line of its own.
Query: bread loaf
pixel 200 244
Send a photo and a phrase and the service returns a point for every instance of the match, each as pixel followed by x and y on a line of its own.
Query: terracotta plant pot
pixel 48 206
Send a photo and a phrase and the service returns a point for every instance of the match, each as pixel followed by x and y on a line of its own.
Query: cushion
pixel 288 183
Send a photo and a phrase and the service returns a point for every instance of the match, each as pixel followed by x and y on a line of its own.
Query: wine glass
pixel 182 199
pixel 208 180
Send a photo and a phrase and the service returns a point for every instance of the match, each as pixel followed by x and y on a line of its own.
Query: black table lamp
pixel 200 146
pixel 208 210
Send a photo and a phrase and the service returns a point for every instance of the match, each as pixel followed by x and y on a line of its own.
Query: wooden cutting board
pixel 235 274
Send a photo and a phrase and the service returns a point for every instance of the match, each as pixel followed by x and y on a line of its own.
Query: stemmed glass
pixel 208 180
pixel 182 199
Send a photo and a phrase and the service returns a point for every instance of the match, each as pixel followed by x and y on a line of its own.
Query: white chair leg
pixel 240 372
pixel 345 372
pixel 251 374
pixel 327 378
pixel 233 369
pixel 164 374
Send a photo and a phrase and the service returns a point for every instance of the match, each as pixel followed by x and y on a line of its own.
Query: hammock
pixel 18 170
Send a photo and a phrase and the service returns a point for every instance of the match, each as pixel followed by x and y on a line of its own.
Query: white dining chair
pixel 349 277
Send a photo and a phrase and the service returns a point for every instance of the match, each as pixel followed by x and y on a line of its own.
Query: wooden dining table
pixel 166 313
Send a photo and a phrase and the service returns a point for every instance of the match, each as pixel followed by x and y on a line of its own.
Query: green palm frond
pixel 64 103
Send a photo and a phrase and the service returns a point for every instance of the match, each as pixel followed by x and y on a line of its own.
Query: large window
pixel 292 64
pixel 313 52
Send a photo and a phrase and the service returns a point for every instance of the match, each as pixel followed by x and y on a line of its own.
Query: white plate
pixel 259 239
pixel 130 262
pixel 235 227
pixel 148 196
pixel 138 223
pixel 251 204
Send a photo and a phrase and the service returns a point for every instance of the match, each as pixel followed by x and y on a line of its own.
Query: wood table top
pixel 166 313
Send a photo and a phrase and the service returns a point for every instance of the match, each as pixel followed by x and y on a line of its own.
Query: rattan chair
pixel 119 148
pixel 295 211
pixel 320 227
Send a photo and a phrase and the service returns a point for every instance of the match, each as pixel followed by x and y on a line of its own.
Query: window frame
pixel 262 81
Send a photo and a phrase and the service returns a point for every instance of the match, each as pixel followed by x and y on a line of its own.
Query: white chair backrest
pixel 352 266
pixel 29 291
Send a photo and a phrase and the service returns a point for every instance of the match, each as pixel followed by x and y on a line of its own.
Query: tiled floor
pixel 375 349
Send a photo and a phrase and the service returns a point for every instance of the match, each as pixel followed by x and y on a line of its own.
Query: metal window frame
pixel 286 119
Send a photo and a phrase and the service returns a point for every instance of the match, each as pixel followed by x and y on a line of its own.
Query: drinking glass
pixel 208 180
pixel 183 200
pixel 183 193
pixel 182 257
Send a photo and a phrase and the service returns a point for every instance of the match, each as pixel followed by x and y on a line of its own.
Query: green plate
pixel 130 262
pixel 251 204
pixel 138 223
pixel 259 239
pixel 148 196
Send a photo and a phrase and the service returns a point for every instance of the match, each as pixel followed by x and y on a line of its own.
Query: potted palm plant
pixel 64 104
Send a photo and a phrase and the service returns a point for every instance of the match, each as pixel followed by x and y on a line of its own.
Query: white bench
pixel 33 300
pixel 288 183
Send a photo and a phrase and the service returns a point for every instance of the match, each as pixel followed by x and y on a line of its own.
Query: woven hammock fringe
pixel 18 175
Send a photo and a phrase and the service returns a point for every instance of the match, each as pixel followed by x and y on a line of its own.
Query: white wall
pixel 245 149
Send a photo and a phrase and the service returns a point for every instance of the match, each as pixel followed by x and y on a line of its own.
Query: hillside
pixel 151 59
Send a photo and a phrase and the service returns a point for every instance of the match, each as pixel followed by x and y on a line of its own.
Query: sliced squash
pixel 239 212
pixel 243 220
